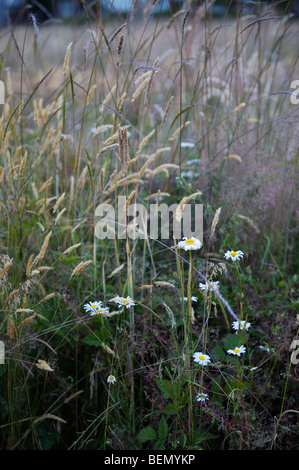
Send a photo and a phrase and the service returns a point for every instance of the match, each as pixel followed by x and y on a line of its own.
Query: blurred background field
pixel 156 101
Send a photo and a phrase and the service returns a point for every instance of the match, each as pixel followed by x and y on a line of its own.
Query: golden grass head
pixel 66 62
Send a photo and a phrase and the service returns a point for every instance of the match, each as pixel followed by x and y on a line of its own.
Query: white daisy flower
pixel 202 397
pixel 201 358
pixel 234 255
pixel 190 244
pixel 111 379
pixel 124 302
pixel 237 351
pixel 241 325
pixel 100 311
pixel 206 287
pixel 92 306
pixel 193 298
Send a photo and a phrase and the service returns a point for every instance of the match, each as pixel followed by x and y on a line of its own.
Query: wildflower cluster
pixel 96 308
pixel 207 288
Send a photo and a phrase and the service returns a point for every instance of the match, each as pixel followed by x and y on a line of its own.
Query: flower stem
pixel 189 292
pixel 241 291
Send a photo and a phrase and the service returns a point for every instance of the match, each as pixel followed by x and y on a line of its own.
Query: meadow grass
pixel 185 109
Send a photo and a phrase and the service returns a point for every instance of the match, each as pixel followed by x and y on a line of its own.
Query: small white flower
pixel 234 255
pixel 92 306
pixel 190 244
pixel 241 325
pixel 206 287
pixel 201 358
pixel 237 351
pixel 193 298
pixel 187 145
pixel 111 379
pixel 187 174
pixel 266 349
pixel 195 160
pixel 124 302
pixel 99 311
pixel 202 397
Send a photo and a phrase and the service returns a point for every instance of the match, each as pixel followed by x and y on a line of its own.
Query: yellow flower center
pixel 236 350
pixel 93 306
pixel 233 253
pixel 126 302
pixel 111 378
pixel 189 242
pixel 202 358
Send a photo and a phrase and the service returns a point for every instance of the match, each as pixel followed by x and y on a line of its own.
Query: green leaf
pixel 201 436
pixel 162 428
pixel 185 398
pixel 231 341
pixel 147 434
pixel 218 353
pixel 169 388
pixel 172 409
pixel 236 385
pixel 92 339
pixel 72 88
pixel 164 386
pixel 69 260
pixel 180 113
pixel 159 445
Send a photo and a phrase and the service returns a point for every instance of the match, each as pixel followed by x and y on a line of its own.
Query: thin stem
pixel 241 291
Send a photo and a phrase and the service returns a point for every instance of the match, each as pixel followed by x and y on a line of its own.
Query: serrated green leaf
pixel 162 428
pixel 147 434
pixel 92 340
pixel 164 386
pixel 169 388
